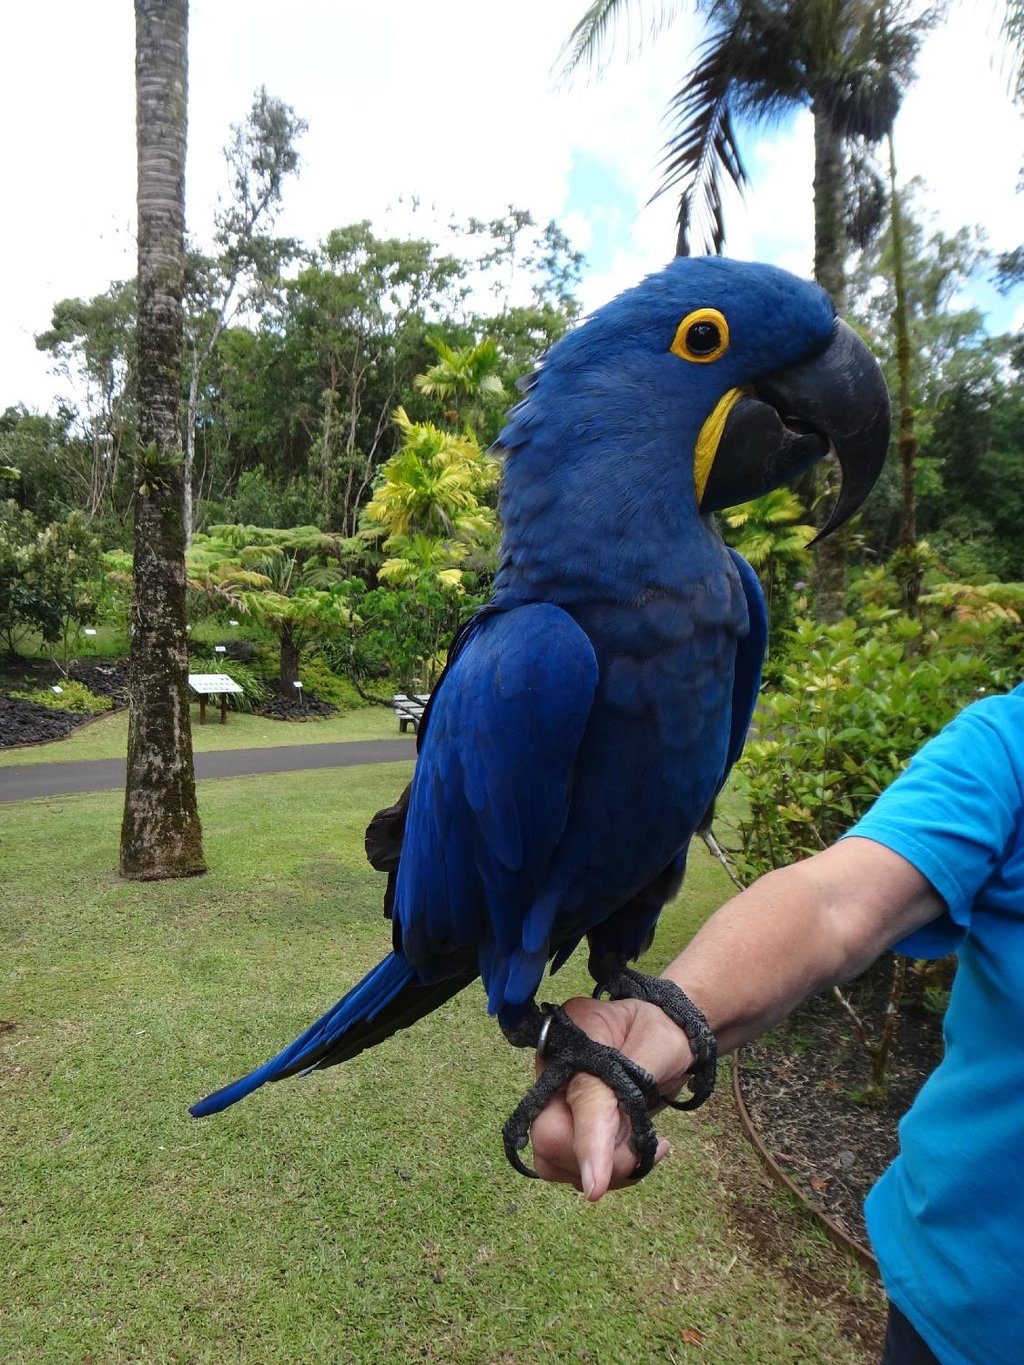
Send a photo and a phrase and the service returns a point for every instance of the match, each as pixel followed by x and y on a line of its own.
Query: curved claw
pixel 570 1051
pixel 514 1144
pixel 627 984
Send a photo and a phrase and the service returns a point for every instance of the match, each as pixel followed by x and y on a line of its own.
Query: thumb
pixel 601 1137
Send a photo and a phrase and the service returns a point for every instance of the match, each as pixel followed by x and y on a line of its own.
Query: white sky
pixel 453 103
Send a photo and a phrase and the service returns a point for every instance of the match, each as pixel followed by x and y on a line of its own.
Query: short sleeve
pixel 954 814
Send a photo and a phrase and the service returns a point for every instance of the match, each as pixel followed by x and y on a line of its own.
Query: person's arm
pixel 796 930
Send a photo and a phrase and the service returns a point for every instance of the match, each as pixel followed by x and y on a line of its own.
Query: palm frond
pixel 1012 34
pixel 703 148
pixel 591 41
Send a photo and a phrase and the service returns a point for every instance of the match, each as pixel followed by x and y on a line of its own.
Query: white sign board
pixel 206 684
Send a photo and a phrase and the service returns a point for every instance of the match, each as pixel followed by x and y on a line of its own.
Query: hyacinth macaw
pixel 589 714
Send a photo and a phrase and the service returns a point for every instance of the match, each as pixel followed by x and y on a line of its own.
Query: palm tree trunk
pixel 829 573
pixel 907 431
pixel 160 835
pixel 829 205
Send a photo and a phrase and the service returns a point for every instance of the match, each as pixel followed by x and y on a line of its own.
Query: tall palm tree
pixel 848 62
pixel 160 834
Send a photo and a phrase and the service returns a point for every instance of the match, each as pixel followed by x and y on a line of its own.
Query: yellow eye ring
pixel 701 337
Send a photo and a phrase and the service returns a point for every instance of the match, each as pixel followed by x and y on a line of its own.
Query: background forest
pixel 339 398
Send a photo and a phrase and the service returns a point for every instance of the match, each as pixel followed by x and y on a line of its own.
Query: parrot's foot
pixel 623 983
pixel 567 1049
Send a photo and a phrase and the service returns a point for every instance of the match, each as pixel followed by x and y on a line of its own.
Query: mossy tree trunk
pixel 161 835
pixel 288 672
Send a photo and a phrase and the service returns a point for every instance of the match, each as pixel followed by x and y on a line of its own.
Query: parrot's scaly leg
pixel 623 983
pixel 568 1050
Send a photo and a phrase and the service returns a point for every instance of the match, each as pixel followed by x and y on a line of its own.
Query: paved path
pixel 101 774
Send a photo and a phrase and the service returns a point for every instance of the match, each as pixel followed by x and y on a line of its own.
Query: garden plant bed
pixel 27 722
pixel 298 706
pixel 800 1085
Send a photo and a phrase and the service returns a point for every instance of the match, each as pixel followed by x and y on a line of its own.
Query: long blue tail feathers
pixel 376 990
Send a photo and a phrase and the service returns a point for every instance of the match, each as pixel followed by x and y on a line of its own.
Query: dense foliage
pixel 852 703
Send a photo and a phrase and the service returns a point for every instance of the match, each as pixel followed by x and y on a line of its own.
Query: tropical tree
pixel 286 579
pixel 464 380
pixel 161 835
pixel 429 501
pixel 43 465
pixel 848 62
pixel 354 338
pixel 296 617
pixel 772 535
pixel 434 486
pixel 92 344
pixel 248 263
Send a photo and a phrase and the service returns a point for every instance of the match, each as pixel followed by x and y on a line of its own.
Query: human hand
pixel 582 1137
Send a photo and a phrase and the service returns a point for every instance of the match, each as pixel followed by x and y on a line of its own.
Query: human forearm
pixel 771 947
pixel 793 932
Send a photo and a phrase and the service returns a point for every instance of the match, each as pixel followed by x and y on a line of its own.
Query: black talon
pixel 623 983
pixel 571 1050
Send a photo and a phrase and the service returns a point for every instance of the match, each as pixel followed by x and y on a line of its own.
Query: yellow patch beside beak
pixel 710 437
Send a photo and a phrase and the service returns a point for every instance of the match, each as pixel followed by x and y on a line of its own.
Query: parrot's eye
pixel 702 336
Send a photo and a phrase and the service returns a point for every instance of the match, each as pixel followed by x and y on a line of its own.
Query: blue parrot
pixel 589 714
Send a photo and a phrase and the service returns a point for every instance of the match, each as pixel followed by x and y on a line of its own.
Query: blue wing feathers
pixel 376 990
pixel 750 652
pixel 494 777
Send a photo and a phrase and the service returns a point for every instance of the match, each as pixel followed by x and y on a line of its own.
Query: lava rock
pixel 299 706
pixel 26 722
pixel 104 679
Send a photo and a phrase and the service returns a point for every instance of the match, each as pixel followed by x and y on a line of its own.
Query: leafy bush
pixel 48 579
pixel 255 688
pixel 398 635
pixel 74 696
pixel 853 703
pixel 318 677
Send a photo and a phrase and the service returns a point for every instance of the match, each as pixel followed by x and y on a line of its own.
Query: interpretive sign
pixel 213 685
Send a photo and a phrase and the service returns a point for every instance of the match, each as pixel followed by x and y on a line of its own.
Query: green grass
pixel 108 737
pixel 365 1214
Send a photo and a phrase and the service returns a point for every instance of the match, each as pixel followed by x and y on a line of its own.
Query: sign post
pixel 210 685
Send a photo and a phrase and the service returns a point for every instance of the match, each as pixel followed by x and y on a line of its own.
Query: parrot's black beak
pixel 792 418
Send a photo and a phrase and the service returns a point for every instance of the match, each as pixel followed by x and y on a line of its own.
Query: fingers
pixel 600 1135
pixel 582 1139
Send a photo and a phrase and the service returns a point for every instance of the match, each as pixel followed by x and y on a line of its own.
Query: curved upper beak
pixel 792 418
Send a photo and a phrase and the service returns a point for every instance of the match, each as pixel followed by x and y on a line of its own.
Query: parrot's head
pixel 708 384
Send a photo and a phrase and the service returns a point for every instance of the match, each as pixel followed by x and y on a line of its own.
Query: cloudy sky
pixel 452 105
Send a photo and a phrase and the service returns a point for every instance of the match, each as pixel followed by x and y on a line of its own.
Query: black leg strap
pixel 624 983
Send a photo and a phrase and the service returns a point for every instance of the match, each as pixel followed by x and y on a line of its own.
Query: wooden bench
pixel 409 710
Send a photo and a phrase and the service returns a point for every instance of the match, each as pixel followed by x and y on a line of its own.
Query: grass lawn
pixel 362 1215
pixel 107 737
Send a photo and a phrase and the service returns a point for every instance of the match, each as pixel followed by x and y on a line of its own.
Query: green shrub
pixel 74 696
pixel 853 703
pixel 317 676
pixel 255 688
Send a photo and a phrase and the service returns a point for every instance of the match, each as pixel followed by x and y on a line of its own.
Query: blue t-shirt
pixel 947 1218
